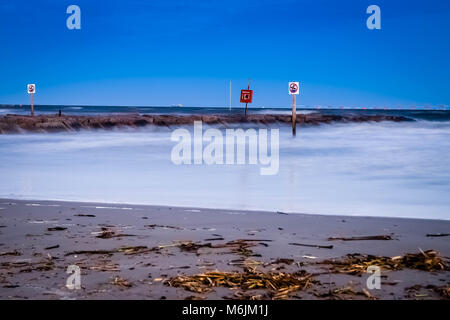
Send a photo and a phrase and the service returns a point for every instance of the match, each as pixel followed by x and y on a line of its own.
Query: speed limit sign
pixel 294 87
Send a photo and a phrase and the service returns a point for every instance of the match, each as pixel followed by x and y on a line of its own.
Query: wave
pixel 370 169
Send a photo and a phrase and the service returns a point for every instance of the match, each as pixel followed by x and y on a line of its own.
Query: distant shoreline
pixel 12 123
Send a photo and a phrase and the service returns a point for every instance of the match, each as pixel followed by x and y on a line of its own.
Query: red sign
pixel 246 96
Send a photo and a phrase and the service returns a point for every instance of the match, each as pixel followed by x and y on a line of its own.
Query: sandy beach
pixel 143 252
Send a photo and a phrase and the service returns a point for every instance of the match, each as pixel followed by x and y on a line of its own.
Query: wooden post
pixel 248 88
pixel 294 116
pixel 32 104
pixel 230 95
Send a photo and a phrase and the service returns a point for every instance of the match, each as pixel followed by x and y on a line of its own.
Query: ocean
pixel 385 169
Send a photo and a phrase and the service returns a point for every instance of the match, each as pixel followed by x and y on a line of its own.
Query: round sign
pixel 293 87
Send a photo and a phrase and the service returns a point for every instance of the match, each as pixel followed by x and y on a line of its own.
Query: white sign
pixel 31 88
pixel 294 87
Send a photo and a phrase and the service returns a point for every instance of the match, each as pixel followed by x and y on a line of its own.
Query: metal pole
pixel 32 105
pixel 248 88
pixel 294 116
pixel 230 95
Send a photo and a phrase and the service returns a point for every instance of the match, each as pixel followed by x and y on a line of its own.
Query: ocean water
pixel 366 169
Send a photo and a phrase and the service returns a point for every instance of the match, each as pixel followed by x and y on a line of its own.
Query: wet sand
pixel 40 239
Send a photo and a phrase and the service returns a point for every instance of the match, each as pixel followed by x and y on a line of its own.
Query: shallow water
pixel 369 169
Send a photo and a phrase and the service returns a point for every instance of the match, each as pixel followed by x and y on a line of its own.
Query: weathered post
pixel 31 89
pixel 293 91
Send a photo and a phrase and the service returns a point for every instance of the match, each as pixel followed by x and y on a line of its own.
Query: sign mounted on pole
pixel 31 88
pixel 294 88
pixel 246 96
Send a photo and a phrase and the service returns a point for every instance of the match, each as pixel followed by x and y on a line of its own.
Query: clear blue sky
pixel 185 52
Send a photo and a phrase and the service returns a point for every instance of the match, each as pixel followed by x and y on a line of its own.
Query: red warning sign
pixel 246 96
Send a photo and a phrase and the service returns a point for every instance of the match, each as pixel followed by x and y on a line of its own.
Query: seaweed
pixel 356 263
pixel 279 284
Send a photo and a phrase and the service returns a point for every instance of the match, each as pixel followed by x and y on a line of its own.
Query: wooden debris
pixel 153 226
pixel 52 247
pixel 56 229
pixel 382 237
pixel 107 252
pixel 283 261
pixel 311 245
pixel 438 234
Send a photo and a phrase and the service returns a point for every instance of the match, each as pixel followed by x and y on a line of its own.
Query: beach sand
pixel 40 239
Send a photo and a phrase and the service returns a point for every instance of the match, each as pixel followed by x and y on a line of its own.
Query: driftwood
pixel 382 237
pixel 311 245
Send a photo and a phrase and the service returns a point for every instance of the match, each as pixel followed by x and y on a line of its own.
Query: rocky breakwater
pixel 54 123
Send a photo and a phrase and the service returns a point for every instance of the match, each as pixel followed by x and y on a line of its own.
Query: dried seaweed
pixel 344 293
pixel 240 246
pixel 25 266
pixel 416 291
pixel 108 233
pixel 356 263
pixel 136 250
pixel 11 253
pixel 279 284
pixel 121 282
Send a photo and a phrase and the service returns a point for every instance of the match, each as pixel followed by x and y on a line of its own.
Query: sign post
pixel 247 96
pixel 293 91
pixel 31 89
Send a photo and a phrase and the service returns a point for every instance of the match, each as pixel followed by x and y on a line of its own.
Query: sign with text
pixel 246 96
pixel 294 87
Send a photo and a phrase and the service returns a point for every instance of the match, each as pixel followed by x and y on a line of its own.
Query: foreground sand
pixel 40 239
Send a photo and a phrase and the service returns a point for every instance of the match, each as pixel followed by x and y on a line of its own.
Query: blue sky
pixel 186 52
